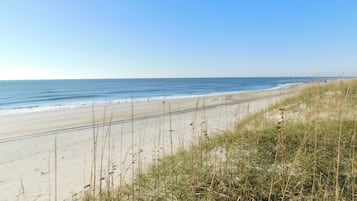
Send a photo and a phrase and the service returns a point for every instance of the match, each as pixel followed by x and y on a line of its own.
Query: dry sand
pixel 27 157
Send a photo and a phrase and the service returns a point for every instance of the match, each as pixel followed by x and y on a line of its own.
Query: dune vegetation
pixel 303 148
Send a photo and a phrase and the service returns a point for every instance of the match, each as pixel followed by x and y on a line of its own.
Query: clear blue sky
pixel 178 38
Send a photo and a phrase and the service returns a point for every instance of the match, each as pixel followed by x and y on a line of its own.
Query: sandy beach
pixel 27 141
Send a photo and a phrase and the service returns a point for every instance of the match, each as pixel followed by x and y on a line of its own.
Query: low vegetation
pixel 303 148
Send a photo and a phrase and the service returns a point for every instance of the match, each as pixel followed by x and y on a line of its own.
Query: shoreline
pixel 27 140
pixel 19 110
pixel 86 112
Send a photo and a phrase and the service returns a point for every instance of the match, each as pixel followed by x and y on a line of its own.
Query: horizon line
pixel 181 77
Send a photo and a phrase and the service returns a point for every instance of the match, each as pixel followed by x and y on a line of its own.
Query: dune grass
pixel 303 148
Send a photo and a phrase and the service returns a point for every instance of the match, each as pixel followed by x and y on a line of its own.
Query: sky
pixel 69 39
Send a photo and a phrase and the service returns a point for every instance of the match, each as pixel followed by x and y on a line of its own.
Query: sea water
pixel 22 96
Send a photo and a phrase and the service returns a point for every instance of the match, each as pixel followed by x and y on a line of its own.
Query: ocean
pixel 39 95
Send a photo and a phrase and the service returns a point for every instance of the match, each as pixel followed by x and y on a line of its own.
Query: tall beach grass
pixel 303 148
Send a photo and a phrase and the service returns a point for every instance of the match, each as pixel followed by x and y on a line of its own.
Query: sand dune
pixel 27 140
